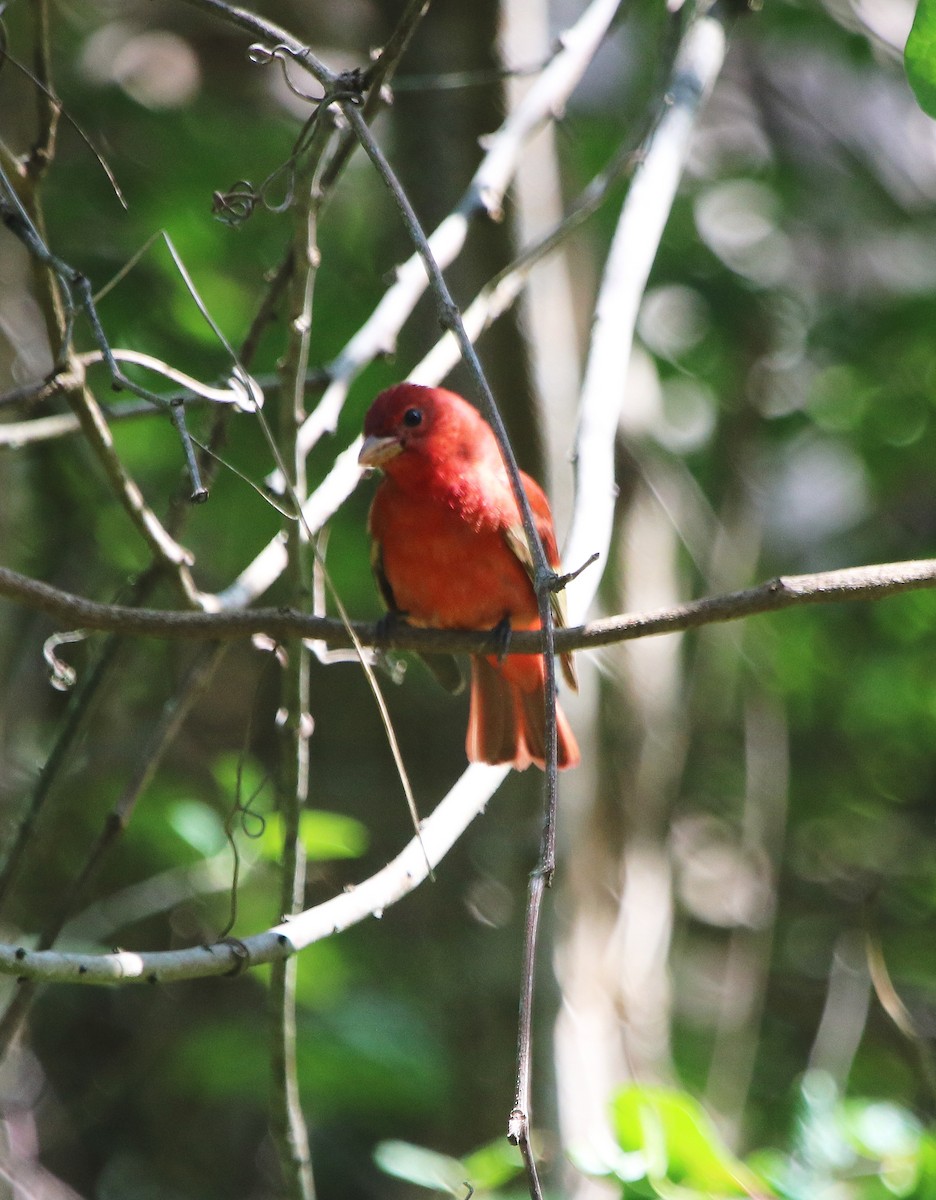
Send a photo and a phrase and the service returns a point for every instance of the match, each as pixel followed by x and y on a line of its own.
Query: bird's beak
pixel 378 450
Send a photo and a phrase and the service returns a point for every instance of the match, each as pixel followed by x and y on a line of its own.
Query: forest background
pixel 715 232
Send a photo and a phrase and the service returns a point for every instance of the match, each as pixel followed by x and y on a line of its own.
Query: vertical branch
pixel 633 250
pixel 748 957
pixel 48 107
pixel 287 1120
pixel 592 1056
pixel 450 318
pixel 518 1127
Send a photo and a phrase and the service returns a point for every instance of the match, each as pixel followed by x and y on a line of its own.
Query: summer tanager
pixel 449 552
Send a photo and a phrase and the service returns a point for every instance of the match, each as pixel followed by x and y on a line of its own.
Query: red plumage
pixel 449 553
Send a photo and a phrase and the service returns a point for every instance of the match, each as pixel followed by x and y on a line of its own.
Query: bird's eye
pixel 413 417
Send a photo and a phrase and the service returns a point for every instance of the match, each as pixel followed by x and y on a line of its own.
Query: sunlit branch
pixel 439 832
pixel 492 301
pixel 633 249
pixel 484 194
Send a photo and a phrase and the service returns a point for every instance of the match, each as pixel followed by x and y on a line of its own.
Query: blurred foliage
pixel 787 352
pixel 920 56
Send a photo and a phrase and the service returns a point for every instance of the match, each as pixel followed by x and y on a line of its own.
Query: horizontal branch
pixel 463 803
pixel 438 833
pixel 852 583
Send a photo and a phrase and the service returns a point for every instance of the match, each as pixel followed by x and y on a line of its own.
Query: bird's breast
pixel 447 562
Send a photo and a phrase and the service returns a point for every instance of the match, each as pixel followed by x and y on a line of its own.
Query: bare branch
pixel 397 879
pixel 466 799
pixel 640 228
pixel 259 27
pixel 48 106
pixel 785 591
pixel 484 194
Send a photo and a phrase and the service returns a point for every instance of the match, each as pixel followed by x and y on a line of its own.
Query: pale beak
pixel 378 450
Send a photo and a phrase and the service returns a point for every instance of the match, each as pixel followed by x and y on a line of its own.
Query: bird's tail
pixel 506 723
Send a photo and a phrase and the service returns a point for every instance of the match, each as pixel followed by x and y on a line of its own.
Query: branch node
pixel 241 955
pixel 560 581
pixel 516 1127
pixel 449 316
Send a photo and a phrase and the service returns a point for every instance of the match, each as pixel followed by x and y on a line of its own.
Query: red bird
pixel 449 552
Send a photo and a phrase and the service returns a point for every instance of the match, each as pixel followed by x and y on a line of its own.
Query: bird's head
pixel 411 417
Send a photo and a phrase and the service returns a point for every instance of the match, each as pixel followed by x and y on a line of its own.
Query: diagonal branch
pixel 439 832
pixel 465 801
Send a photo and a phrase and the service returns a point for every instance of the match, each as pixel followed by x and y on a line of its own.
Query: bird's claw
pixel 501 634
pixel 389 623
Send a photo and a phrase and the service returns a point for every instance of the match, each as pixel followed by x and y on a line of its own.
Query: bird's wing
pixel 516 541
pixel 445 668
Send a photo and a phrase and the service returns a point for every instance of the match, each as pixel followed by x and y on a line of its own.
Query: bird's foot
pixel 389 623
pixel 501 635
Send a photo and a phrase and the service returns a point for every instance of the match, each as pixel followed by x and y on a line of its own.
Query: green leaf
pixel 485 1169
pixel 239 775
pixel 199 825
pixel 680 1145
pixel 325 835
pixel 493 1165
pixel 425 1168
pixel 920 56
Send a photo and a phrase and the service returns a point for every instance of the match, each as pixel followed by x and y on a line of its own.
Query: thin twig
pixel 518 1127
pixel 377 76
pixel 287 1122
pixel 483 195
pixel 48 106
